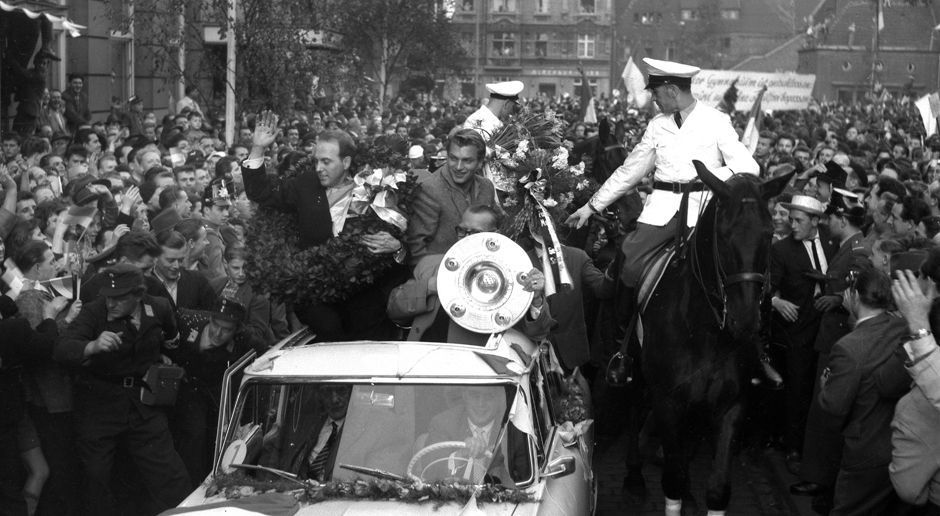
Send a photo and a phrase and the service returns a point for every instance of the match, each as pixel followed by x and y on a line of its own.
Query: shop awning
pixel 37 10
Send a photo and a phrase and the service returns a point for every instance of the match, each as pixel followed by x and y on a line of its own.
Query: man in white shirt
pixel 684 131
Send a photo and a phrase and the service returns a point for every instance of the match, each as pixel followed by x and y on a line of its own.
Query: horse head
pixel 734 236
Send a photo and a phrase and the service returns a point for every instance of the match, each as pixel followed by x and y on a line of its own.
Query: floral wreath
pixel 342 266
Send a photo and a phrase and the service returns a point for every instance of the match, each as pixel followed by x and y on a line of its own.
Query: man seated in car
pixel 478 422
pixel 310 448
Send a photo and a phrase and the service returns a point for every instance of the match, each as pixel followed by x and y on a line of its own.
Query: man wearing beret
pixel 111 345
pixel 209 342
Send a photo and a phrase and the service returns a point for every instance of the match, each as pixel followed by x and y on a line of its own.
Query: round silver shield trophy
pixel 479 282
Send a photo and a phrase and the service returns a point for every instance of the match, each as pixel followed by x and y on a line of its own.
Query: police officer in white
pixel 684 131
pixel 504 98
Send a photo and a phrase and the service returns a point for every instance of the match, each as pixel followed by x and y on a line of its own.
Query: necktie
pixel 319 463
pixel 678 117
pixel 816 264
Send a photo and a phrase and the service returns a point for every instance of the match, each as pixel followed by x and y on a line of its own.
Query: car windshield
pixel 345 431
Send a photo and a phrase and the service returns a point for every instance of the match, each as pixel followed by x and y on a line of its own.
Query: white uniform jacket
pixel 484 122
pixel 667 150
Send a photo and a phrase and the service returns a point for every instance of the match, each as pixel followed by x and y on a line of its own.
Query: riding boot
pixel 620 365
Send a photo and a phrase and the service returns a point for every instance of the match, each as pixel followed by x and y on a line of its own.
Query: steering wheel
pixel 443 445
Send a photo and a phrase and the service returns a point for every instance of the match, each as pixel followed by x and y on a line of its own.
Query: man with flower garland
pixel 321 200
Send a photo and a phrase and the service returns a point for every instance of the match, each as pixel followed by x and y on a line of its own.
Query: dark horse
pixel 699 331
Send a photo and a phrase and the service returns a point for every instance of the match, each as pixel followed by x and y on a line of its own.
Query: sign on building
pixel 785 91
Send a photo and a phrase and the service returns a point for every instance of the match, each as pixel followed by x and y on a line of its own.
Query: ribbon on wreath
pixel 375 191
pixel 553 261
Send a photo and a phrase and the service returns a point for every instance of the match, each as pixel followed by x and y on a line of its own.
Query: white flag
pixel 636 84
pixel 929 107
pixel 590 114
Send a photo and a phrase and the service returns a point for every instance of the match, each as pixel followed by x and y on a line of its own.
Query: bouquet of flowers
pixel 342 266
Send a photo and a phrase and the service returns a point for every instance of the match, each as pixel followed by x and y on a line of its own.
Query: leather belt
pixel 680 188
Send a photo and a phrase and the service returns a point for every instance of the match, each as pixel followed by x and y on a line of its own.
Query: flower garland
pixel 342 266
pixel 238 485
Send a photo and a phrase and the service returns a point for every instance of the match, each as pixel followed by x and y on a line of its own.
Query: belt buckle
pixel 677 188
pixel 128 382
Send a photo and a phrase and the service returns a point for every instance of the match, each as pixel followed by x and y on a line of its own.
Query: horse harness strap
pixel 614 147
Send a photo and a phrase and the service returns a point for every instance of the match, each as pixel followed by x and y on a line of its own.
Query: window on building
pixel 541 6
pixel 586 45
pixel 730 14
pixel 468 42
pixel 670 52
pixel 504 44
pixel 466 6
pixel 504 6
pixel 688 15
pixel 587 6
pixel 541 45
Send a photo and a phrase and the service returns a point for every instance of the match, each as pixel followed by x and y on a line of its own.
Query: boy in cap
pixel 111 345
pixel 798 267
pixel 216 206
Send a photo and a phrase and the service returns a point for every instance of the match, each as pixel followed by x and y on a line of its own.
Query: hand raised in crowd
pixel 130 199
pixel 913 303
pixel 265 130
pixel 119 231
pixel 381 243
pixel 6 181
pixel 534 281
pixel 52 308
pixel 788 310
pixel 74 310
pixel 106 342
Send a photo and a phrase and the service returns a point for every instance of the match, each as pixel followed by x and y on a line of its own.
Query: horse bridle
pixel 725 280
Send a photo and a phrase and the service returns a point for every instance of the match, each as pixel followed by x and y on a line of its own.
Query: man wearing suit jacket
pixel 861 387
pixel 798 265
pixel 416 303
pixel 477 422
pixel 184 288
pixel 569 335
pixel 822 447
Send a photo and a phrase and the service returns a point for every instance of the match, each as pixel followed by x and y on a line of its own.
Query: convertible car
pixel 402 428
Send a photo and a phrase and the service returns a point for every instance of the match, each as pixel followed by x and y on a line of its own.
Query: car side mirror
pixel 560 467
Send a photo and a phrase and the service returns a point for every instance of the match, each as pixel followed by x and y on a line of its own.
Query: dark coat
pixel 193 292
pixel 834 324
pixel 866 380
pixel 569 335
pixel 790 267
pixel 302 194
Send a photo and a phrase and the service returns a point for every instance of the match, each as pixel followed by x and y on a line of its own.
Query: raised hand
pixel 265 130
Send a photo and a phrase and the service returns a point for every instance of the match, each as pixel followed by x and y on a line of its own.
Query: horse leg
pixel 634 485
pixel 719 482
pixel 675 480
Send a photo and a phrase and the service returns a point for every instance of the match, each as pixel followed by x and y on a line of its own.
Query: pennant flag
pixel 636 84
pixel 881 16
pixel 590 114
pixel 80 216
pixel 752 131
pixel 12 280
pixel 929 108
pixel 61 287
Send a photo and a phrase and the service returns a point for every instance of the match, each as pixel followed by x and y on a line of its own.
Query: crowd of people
pixel 123 251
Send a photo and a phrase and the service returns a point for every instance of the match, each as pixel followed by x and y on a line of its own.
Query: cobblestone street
pixel 759 487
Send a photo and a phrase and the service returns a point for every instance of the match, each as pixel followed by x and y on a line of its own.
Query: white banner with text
pixel 785 91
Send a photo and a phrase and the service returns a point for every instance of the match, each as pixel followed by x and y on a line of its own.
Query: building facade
pixel 542 43
pixel 851 58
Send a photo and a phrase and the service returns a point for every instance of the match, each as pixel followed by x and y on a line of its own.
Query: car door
pixel 567 470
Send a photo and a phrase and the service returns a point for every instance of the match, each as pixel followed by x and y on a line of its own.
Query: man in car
pixel 477 422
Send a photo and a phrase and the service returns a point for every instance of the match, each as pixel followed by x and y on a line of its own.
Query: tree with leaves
pixel 392 40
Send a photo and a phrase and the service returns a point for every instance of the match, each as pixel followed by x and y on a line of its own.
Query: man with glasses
pixel 416 302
